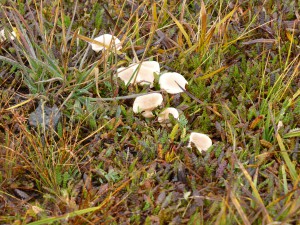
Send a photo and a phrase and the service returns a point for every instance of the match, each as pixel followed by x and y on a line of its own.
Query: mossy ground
pixel 103 164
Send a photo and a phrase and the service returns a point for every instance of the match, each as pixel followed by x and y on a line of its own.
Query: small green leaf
pixel 98 18
pixel 174 132
pixel 59 129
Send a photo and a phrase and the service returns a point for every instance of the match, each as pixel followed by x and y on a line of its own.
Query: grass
pixel 103 164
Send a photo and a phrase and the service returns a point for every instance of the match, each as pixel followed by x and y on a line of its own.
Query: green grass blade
pixel 292 133
pixel 284 154
pixel 15 63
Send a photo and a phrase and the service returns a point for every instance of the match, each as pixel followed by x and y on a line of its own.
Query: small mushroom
pixel 143 73
pixel 201 141
pixel 170 81
pixel 108 41
pixel 3 35
pixel 146 103
pixel 163 117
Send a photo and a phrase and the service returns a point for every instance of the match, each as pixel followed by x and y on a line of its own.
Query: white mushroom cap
pixel 168 82
pixel 143 73
pixel 201 141
pixel 125 73
pixel 147 102
pixel 153 65
pixel 2 35
pixel 164 115
pixel 13 35
pixel 107 40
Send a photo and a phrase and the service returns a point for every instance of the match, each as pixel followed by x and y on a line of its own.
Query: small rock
pixel 44 117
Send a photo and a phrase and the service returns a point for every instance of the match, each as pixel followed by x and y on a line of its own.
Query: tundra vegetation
pixel 74 151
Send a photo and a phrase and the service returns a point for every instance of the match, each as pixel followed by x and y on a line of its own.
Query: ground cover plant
pixel 73 151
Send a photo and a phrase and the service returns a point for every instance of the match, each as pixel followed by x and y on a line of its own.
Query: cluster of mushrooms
pixel 143 73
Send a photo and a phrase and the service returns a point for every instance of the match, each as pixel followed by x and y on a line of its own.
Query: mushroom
pixel 170 81
pixel 108 41
pixel 163 117
pixel 201 141
pixel 3 35
pixel 143 73
pixel 146 103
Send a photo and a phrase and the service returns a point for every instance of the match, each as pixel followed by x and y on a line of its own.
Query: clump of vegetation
pixel 101 163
